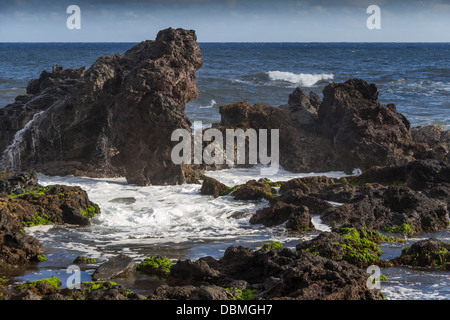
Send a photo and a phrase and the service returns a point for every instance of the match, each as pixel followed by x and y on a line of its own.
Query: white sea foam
pixel 169 214
pixel 235 176
pixel 319 225
pixel 212 103
pixel 11 156
pixel 303 79
pixel 410 284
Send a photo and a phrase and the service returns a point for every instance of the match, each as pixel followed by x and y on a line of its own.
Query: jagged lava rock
pixel 115 118
pixel 115 267
pixel 429 253
pixel 348 129
pixel 301 275
pixel 25 203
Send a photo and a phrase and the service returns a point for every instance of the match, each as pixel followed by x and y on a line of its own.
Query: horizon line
pixel 5 42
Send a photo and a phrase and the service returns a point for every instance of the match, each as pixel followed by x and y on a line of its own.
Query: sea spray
pixel 11 159
pixel 103 154
pixel 303 79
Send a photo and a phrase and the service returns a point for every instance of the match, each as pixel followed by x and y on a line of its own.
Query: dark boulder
pixel 17 182
pixel 115 267
pixel 348 129
pixel 211 186
pixel 207 292
pixel 298 275
pixel 26 203
pixel 297 218
pixel 430 253
pixel 296 197
pixel 254 190
pixel 389 209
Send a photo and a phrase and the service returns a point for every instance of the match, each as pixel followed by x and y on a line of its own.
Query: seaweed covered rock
pixel 84 260
pixel 35 290
pixel 430 253
pixel 58 204
pixel 32 205
pixel 158 265
pixel 254 190
pixel 211 186
pixel 50 289
pixel 293 274
pixel 354 245
pixel 17 182
pixel 16 247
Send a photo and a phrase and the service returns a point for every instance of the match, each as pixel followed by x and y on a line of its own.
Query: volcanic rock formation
pixel 115 118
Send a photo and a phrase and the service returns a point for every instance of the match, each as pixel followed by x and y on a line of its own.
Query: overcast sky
pixel 227 20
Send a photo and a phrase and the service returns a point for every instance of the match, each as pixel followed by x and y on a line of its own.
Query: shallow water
pixel 180 223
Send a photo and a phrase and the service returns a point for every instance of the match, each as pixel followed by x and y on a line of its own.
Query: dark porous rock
pixel 436 138
pixel 254 190
pixel 309 184
pixel 326 244
pixel 354 245
pixel 37 205
pixel 275 215
pixel 419 175
pixel 58 204
pixel 431 134
pixel 295 274
pixel 207 292
pixel 392 206
pixel 365 132
pixel 84 260
pixel 430 253
pixel 348 129
pixel 198 272
pixel 425 174
pixel 317 278
pixel 17 182
pixel 298 198
pixel 50 289
pixel 16 246
pixel 24 295
pixel 298 218
pixel 25 203
pixel 114 292
pixel 115 267
pixel 114 119
pixel 211 186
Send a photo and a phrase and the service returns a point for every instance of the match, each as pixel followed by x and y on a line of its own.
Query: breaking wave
pixel 303 79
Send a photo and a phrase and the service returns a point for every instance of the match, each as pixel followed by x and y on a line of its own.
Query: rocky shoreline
pixel 331 266
pixel 132 102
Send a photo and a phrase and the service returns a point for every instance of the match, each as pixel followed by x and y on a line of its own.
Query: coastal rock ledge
pixel 113 119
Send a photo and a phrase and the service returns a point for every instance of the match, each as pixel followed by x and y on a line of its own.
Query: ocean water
pixel 179 222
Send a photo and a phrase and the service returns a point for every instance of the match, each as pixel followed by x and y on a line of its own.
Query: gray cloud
pixel 229 20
